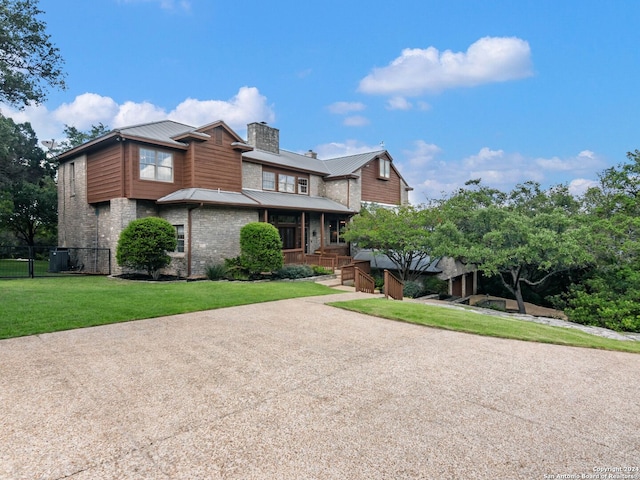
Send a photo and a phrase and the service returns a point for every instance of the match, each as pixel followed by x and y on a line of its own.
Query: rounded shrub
pixel 260 248
pixel 294 271
pixel 413 290
pixel 143 245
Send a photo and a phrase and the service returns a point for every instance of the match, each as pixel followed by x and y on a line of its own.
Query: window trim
pixel 302 186
pixel 274 181
pixel 156 165
pixel 180 238
pixel 384 168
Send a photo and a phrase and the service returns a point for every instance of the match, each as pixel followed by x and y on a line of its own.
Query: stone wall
pixel 251 175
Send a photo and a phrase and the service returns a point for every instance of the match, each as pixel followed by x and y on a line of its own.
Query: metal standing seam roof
pixel 380 260
pixel 203 195
pixel 160 131
pixel 295 201
pixel 346 165
pixel 292 160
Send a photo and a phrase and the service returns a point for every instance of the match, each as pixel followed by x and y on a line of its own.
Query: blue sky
pixel 506 91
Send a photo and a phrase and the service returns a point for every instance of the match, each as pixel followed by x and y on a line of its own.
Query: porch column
pixel 302 227
pixel 475 282
pixel 322 233
pixel 265 217
pixel 463 278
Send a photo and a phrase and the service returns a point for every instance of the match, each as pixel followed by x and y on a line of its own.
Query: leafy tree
pixel 523 237
pixel 28 59
pixel 143 245
pixel 610 295
pixel 260 248
pixel 28 195
pixel 403 234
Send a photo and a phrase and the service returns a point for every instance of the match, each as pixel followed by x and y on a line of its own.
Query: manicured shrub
pixel 413 290
pixel 294 271
pixel 217 271
pixel 260 248
pixel 143 245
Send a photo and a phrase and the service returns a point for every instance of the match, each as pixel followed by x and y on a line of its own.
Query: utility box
pixel 58 260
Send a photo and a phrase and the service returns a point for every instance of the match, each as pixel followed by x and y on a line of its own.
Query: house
pixel 209 182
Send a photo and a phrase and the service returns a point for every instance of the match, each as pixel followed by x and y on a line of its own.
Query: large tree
pixel 29 62
pixel 610 295
pixel 403 234
pixel 523 237
pixel 28 195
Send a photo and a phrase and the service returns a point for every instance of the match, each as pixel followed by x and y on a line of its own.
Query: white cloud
pixel 165 4
pixel 399 103
pixel 343 108
pixel 585 161
pixel 350 147
pixel 416 71
pixel 88 109
pixel 432 176
pixel 355 121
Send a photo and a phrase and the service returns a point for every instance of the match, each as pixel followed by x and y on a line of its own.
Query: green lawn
pixel 40 305
pixel 487 325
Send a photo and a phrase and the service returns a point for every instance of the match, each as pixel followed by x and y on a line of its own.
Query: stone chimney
pixel 263 137
pixel 311 154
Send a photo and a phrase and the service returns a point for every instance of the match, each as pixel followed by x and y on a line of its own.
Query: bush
pixel 318 270
pixel 294 271
pixel 413 290
pixel 143 245
pixel 435 285
pixel 235 270
pixel 217 271
pixel 260 248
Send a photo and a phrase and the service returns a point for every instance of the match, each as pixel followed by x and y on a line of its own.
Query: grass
pixel 41 305
pixel 20 268
pixel 487 325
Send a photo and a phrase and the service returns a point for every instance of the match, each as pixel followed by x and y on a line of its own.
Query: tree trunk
pixel 518 294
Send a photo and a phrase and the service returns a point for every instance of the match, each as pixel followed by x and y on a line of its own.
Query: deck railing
pixel 348 273
pixel 392 286
pixel 363 281
pixel 330 261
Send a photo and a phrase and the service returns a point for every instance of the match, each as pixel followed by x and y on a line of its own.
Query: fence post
pixel 386 284
pixel 31 261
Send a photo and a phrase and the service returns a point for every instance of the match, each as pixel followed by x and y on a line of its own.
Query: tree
pixel 403 234
pixel 144 244
pixel 523 237
pixel 28 59
pixel 28 194
pixel 260 248
pixel 75 137
pixel 610 296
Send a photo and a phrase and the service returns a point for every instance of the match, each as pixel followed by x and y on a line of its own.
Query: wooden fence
pixel 364 282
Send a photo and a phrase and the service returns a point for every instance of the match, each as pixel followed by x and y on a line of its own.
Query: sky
pixel 507 91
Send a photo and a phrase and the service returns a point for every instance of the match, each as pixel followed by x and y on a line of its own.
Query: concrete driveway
pixel 298 390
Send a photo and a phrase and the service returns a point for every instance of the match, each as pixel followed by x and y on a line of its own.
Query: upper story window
pixel 303 186
pixel 268 181
pixel 72 179
pixel 286 183
pixel 156 165
pixel 385 167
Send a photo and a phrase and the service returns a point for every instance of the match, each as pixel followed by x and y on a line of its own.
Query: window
pixel 286 183
pixel 179 238
pixel 268 181
pixel 303 186
pixel 72 179
pixel 385 167
pixel 156 165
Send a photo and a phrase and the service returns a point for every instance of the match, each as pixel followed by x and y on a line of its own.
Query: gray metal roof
pixel 295 201
pixel 380 260
pixel 346 165
pixel 288 159
pixel 197 195
pixel 159 131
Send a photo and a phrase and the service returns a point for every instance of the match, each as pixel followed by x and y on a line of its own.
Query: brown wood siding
pixel 378 190
pixel 217 166
pixel 104 174
pixel 152 189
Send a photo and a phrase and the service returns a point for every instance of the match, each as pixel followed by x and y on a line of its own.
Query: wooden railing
pixel 348 273
pixel 363 281
pixel 392 286
pixel 294 256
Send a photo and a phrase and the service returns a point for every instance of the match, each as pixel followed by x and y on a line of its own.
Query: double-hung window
pixel 286 183
pixel 303 186
pixel 385 167
pixel 179 238
pixel 156 165
pixel 268 181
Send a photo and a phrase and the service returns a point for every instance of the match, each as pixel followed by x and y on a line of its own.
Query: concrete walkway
pixel 296 389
